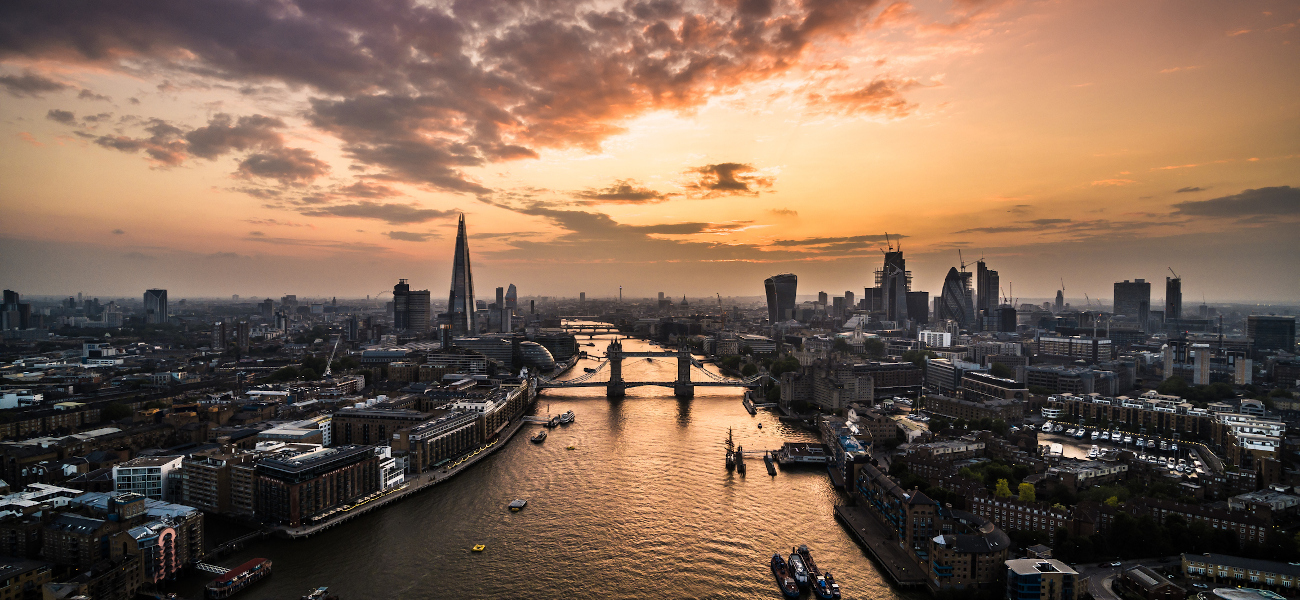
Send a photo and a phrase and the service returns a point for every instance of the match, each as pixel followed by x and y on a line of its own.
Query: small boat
pixel 317 594
pixel 589 369
pixel 570 448
pixel 554 422
pixel 740 459
pixel 760 425
pixel 771 467
pixel 478 548
pixel 822 588
pixel 789 588
pixel 835 587
pixel 567 417
pixel 731 451
pixel 648 359
pixel 798 570
pixel 539 438
pixel 518 505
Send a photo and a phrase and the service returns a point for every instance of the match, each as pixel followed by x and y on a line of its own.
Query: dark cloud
pixel 1032 225
pixel 61 116
pixel 1281 200
pixel 418 92
pixel 224 134
pixel 225 256
pixel 89 95
pixel 883 97
pixel 1187 190
pixel 783 212
pixel 410 236
pixel 118 232
pixel 28 84
pixel 852 239
pixel 164 146
pixel 99 118
pixel 286 165
pixel 396 214
pixel 624 191
pixel 727 179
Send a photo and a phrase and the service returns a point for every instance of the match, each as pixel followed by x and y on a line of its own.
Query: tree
pixel 784 365
pixel 998 369
pixel 1026 492
pixel 1174 386
pixel 115 411
pixel 1003 489
pixel 749 369
pixel 917 357
pixel 1112 501
pixel 875 347
pixel 842 345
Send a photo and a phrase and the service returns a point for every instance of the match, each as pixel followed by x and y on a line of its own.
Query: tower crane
pixel 1171 270
pixel 329 365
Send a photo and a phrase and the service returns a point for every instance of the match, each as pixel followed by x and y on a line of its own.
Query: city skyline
pixel 593 148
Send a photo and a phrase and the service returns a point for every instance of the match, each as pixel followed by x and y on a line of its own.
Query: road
pixel 1100 578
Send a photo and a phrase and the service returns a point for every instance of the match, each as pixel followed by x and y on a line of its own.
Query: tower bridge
pixel 683 387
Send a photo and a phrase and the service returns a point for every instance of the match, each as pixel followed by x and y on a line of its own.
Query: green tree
pixel 1174 386
pixel 875 347
pixel 842 345
pixel 784 365
pixel 917 357
pixel 115 411
pixel 749 369
pixel 1112 501
pixel 1003 489
pixel 1026 492
pixel 998 369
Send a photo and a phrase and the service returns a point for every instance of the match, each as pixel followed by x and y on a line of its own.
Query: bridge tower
pixel 682 388
pixel 615 388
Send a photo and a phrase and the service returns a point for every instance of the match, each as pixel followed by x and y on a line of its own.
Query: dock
pixel 880 544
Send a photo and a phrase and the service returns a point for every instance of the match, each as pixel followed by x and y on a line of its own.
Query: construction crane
pixel 1087 299
pixel 719 299
pixel 1171 270
pixel 329 365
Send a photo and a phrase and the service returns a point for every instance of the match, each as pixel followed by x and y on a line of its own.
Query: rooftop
pixel 1031 566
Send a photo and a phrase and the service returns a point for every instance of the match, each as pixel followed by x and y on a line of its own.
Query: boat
pixel 798 570
pixel 1059 428
pixel 518 505
pixel 771 466
pixel 648 359
pixel 238 578
pixel 822 588
pixel 1173 446
pixel 567 417
pixel 1105 435
pixel 789 588
pixel 554 422
pixel 740 459
pixel 540 437
pixel 588 369
pixel 1151 444
pixel 748 404
pixel 1094 452
pixel 478 548
pixel 760 425
pixel 1047 427
pixel 731 451
pixel 1128 439
pixel 1078 435
pixel 317 594
pixel 835 587
pixel 1095 435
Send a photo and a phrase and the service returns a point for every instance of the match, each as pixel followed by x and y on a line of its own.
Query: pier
pixel 880 544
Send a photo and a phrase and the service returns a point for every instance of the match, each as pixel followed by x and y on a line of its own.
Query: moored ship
pixel 731 451
pixel 567 417
pixel 238 578
pixel 789 588
pixel 798 570
pixel 740 459
pixel 540 437
pixel 835 587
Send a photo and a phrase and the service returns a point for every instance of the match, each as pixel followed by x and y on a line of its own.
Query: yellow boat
pixel 479 548
pixel 570 448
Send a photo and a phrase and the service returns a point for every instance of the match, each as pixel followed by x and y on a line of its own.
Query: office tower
pixel 873 299
pixel 1173 298
pixel 1267 333
pixel 501 298
pixel 918 307
pixel 987 282
pixel 351 329
pixel 410 308
pixel 1060 300
pixel 894 280
pixel 838 306
pixel 1133 300
pixel 15 314
pixel 503 313
pixel 266 307
pixel 289 303
pixel 822 298
pixel 848 299
pixel 582 297
pixel 219 336
pixel 780 296
pixel 1006 317
pixel 955 301
pixel 460 306
pixel 512 297
pixel 155 307
pixel 243 329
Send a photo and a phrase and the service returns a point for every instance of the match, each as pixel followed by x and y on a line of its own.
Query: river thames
pixel 641 507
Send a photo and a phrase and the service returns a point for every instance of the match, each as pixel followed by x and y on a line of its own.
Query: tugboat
pixel 821 588
pixel 539 438
pixel 789 588
pixel 799 571
pixel 317 594
pixel 740 459
pixel 731 453
pixel 835 587
pixel 567 417
pixel 518 505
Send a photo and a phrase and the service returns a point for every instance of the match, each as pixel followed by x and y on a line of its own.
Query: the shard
pixel 460 307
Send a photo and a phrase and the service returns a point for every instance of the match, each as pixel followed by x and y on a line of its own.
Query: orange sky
pixel 219 147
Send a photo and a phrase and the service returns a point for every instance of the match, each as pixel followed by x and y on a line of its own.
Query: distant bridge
pixel 683 387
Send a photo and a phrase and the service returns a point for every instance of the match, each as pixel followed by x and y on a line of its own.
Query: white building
pixel 935 339
pixel 148 476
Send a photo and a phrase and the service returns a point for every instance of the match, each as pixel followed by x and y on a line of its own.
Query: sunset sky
pixel 325 147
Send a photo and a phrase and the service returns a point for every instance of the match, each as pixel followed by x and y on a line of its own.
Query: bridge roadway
pixel 561 384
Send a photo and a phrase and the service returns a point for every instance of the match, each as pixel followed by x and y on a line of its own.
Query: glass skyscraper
pixel 460 306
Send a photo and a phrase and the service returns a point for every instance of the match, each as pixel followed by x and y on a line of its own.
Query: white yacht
pixel 1047 427
pixel 1094 452
pixel 1095 435
pixel 1128 439
pixel 1105 435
